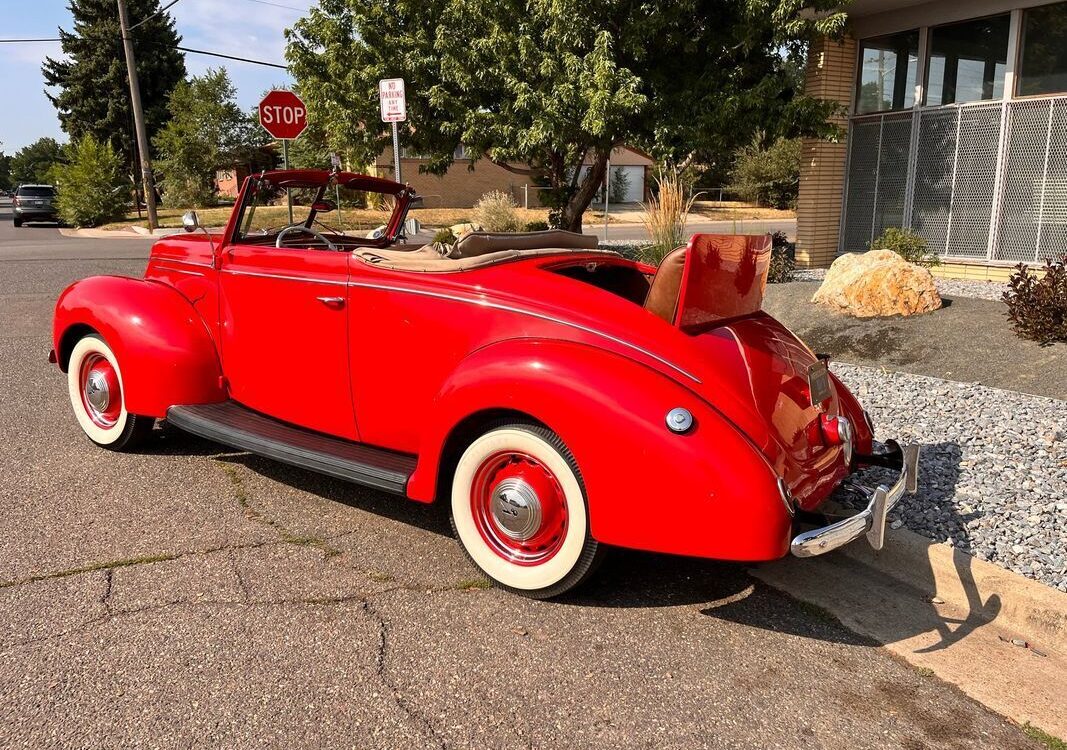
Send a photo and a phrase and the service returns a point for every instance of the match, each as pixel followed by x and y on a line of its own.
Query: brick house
pixel 956 128
pixel 465 183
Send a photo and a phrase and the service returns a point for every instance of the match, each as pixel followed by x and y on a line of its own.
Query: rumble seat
pixel 662 299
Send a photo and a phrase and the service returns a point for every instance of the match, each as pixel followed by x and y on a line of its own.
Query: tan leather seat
pixel 662 299
pixel 474 244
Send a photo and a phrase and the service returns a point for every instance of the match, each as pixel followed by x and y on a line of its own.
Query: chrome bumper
pixel 871 520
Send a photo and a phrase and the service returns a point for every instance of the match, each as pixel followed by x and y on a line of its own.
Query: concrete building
pixel 464 183
pixel 956 128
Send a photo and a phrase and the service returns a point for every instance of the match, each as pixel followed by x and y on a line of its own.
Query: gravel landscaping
pixel 989 290
pixel 993 466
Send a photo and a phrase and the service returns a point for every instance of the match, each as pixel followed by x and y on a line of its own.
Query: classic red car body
pixel 416 363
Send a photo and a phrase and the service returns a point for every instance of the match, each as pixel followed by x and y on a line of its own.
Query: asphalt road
pixel 192 596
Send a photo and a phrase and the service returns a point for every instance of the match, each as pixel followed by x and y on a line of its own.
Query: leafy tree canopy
pixel 94 91
pixel 90 186
pixel 207 131
pixel 5 172
pixel 33 163
pixel 553 84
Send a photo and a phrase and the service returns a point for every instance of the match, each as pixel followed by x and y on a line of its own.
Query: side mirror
pixel 190 221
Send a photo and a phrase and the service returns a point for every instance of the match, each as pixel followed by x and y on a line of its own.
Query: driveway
pixel 193 596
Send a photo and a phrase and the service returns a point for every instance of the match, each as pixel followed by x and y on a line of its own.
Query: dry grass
pixel 737 210
pixel 665 216
pixel 350 218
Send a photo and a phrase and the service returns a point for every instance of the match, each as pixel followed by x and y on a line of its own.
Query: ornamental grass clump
pixel 782 263
pixel 665 216
pixel 1037 307
pixel 496 211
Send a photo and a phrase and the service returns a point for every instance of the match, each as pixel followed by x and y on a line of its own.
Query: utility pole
pixel 138 119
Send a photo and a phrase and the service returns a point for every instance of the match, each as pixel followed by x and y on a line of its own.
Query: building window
pixel 967 61
pixel 1043 67
pixel 888 66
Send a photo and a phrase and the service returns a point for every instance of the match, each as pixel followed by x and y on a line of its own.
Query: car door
pixel 284 322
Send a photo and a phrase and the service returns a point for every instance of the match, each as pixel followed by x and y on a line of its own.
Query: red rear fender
pixel 708 492
pixel 164 350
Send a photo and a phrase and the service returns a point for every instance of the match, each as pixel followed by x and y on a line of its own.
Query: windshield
pixel 345 217
pixel 36 192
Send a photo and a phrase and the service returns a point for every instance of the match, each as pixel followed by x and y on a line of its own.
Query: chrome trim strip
pixel 180 270
pixel 532 314
pixel 284 277
pixel 165 259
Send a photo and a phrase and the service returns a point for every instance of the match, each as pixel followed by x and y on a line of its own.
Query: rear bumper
pixel 870 521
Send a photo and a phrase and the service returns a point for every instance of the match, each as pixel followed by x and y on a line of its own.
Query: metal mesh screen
pixel 862 179
pixel 1024 167
pixel 935 170
pixel 934 164
pixel 976 169
pixel 894 152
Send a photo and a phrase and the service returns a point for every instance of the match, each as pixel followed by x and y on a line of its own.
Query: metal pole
pixel 526 195
pixel 396 155
pixel 607 192
pixel 138 118
pixel 285 165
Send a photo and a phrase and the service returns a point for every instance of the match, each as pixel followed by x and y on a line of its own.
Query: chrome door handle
pixel 332 301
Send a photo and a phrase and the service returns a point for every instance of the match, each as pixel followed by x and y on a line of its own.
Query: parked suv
pixel 34 203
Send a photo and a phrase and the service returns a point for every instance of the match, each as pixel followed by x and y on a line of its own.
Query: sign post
pixel 394 108
pixel 283 114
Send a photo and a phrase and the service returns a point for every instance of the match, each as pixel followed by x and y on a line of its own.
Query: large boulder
pixel 878 283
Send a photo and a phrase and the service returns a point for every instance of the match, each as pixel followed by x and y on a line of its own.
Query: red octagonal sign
pixel 283 114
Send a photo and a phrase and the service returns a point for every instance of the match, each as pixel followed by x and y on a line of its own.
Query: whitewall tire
pixel 95 386
pixel 520 513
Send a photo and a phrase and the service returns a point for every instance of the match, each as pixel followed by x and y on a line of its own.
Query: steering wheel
pixel 302 228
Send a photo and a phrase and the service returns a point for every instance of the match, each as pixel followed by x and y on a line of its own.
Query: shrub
pixel 536 226
pixel 444 236
pixel 908 245
pixel 665 216
pixel 768 176
pixel 90 187
pixel 497 212
pixel 782 261
pixel 1037 308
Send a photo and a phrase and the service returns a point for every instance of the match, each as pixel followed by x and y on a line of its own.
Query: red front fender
pixel 708 492
pixel 164 349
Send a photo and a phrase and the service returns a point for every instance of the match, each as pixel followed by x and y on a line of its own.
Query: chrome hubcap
pixel 96 391
pixel 516 509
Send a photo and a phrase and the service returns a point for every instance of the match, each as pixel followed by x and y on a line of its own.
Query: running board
pixel 231 424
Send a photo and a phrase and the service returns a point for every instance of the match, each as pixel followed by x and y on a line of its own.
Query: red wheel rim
pixel 100 391
pixel 519 508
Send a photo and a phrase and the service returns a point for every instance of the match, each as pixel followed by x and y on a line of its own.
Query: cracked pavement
pixel 194 596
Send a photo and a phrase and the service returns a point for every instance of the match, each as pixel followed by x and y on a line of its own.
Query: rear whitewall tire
pixel 128 429
pixel 577 554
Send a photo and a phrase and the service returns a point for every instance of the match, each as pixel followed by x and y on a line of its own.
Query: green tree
pixel 543 86
pixel 90 186
pixel 93 94
pixel 207 131
pixel 769 175
pixel 33 163
pixel 5 172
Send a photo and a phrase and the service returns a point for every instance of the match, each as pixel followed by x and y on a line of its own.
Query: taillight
pixel 838 431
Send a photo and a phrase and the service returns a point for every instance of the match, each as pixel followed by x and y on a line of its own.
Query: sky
pixel 245 28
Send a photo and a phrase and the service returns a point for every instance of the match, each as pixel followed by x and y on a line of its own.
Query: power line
pixel 279 5
pixel 149 18
pixel 183 49
pixel 233 57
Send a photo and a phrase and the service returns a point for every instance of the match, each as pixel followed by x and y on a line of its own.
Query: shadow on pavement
pixel 632 579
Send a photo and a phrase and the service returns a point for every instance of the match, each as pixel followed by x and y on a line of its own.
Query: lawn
pixel 350 218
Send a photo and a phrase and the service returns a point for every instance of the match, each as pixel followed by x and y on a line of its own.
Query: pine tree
pixel 94 93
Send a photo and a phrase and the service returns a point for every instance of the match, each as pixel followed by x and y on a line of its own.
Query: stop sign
pixel 283 114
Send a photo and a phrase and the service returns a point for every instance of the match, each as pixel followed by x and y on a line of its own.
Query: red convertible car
pixel 561 398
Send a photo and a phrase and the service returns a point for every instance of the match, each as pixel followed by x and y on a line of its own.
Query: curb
pixel 936 569
pixel 131 233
